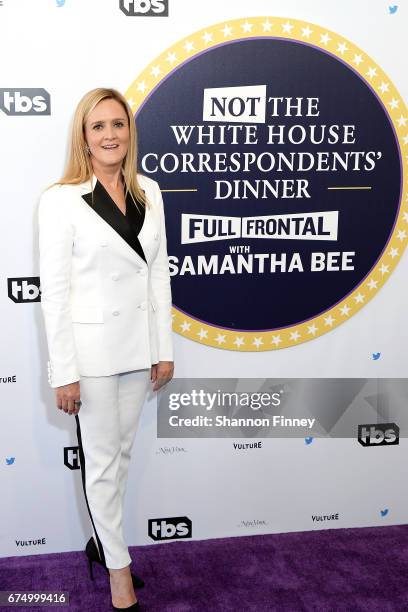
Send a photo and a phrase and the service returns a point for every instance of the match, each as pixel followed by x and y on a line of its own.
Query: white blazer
pixel 105 309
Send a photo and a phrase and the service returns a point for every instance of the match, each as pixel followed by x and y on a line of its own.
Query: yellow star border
pixel 301 31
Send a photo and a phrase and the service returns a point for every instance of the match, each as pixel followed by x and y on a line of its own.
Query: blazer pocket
pixel 86 314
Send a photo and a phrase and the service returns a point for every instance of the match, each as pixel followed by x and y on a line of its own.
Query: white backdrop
pixel 68 50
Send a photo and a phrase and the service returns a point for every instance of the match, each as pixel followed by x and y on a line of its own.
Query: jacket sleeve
pixel 56 237
pixel 160 281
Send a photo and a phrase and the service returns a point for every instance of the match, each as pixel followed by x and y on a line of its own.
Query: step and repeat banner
pixel 278 134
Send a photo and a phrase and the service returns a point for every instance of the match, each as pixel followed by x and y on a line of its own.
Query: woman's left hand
pixel 161 373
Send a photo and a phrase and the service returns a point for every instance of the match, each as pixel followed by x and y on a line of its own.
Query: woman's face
pixel 107 134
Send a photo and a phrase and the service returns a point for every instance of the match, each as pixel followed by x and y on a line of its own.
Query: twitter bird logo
pixel 384 512
pixel 60 3
pixel 308 440
pixel 10 460
pixel 393 9
pixel 376 356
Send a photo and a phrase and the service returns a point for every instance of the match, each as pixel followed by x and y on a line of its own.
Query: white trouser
pixel 106 427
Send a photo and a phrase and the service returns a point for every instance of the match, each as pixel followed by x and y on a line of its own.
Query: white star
pixel 312 329
pixel 402 121
pixel 226 30
pixel 359 298
pixel 247 27
pixel 257 342
pixel 372 284
pixel 357 59
pixel 287 27
pixel 202 333
pixel 394 103
pixel 383 87
pixel 324 38
pixel 239 341
pixel 207 37
pixel 402 234
pixel 345 310
pixel 393 253
pixel 267 25
pixel 384 269
pixel 306 32
pixel 188 46
pixel 405 139
pixel 295 336
pixel 171 57
pixel 405 215
pixel 220 338
pixel 342 48
pixel 155 71
pixel 276 340
pixel 185 326
pixel 131 102
pixel 329 320
pixel 372 72
pixel 141 86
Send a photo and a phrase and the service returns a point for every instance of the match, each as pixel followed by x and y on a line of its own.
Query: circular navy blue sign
pixel 346 173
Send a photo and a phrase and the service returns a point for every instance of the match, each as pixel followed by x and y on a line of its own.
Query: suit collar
pixel 88 185
pixel 127 227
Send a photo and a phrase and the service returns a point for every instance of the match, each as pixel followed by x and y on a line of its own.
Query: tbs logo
pixel 71 457
pixel 25 101
pixel 145 8
pixel 174 528
pixel 383 434
pixel 24 290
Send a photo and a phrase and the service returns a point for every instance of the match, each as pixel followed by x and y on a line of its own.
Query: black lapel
pixel 129 226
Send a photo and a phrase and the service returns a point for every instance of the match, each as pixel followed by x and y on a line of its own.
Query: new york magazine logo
pixel 145 8
pixel 23 101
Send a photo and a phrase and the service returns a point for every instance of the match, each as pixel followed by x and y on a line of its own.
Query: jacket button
pixel 156 236
pixel 115 313
pixel 104 244
pixel 115 276
pixel 143 272
pixel 143 305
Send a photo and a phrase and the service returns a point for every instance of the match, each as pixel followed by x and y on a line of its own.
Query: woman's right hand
pixel 66 396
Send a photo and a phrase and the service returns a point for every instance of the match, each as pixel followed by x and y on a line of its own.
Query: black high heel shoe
pixel 93 557
pixel 134 606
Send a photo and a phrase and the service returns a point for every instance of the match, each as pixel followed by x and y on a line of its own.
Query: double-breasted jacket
pixel 105 282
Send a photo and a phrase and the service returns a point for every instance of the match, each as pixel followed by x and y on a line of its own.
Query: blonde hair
pixel 79 167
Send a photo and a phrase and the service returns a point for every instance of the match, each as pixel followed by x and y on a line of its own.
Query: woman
pixel 106 300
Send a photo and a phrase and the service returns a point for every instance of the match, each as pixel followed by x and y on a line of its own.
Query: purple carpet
pixel 329 570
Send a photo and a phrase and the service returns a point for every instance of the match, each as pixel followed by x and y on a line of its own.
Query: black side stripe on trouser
pixel 82 460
